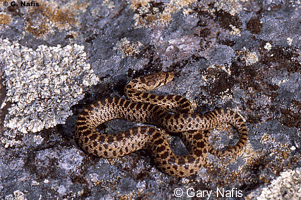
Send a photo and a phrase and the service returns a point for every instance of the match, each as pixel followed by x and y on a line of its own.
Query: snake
pixel 164 114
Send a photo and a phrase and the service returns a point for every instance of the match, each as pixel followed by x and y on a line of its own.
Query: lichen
pixel 149 13
pixel 4 19
pixel 9 138
pixel 45 17
pixel 128 48
pixel 286 186
pixel 268 46
pixel 235 30
pixel 109 4
pixel 232 7
pixel 249 57
pixel 43 84
pixel 17 195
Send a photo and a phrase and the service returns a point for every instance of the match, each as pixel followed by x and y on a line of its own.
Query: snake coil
pixel 155 109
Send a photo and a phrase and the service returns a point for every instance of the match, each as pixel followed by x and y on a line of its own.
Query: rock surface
pixel 241 55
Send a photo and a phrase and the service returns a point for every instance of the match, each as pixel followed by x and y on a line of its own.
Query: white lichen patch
pixel 249 57
pixel 268 46
pixel 109 4
pixel 286 186
pixel 232 7
pixel 235 31
pixel 8 138
pixel 289 41
pixel 150 13
pixel 278 81
pixel 128 48
pixel 43 84
pixel 17 195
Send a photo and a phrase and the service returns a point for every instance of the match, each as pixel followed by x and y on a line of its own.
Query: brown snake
pixel 154 109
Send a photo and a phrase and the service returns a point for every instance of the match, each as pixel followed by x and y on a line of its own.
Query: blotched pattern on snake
pixel 172 113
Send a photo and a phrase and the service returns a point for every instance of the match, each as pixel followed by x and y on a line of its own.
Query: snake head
pixel 158 79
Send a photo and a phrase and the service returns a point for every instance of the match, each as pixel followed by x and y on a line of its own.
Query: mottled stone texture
pixel 236 54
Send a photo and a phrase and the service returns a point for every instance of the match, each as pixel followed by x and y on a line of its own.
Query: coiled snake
pixel 154 109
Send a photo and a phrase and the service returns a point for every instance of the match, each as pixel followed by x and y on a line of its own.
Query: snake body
pixel 156 110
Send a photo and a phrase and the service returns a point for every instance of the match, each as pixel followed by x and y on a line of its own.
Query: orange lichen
pixel 135 4
pixel 37 30
pixel 4 19
pixel 62 17
pixel 41 19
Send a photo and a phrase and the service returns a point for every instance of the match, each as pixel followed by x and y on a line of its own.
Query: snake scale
pixel 148 108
